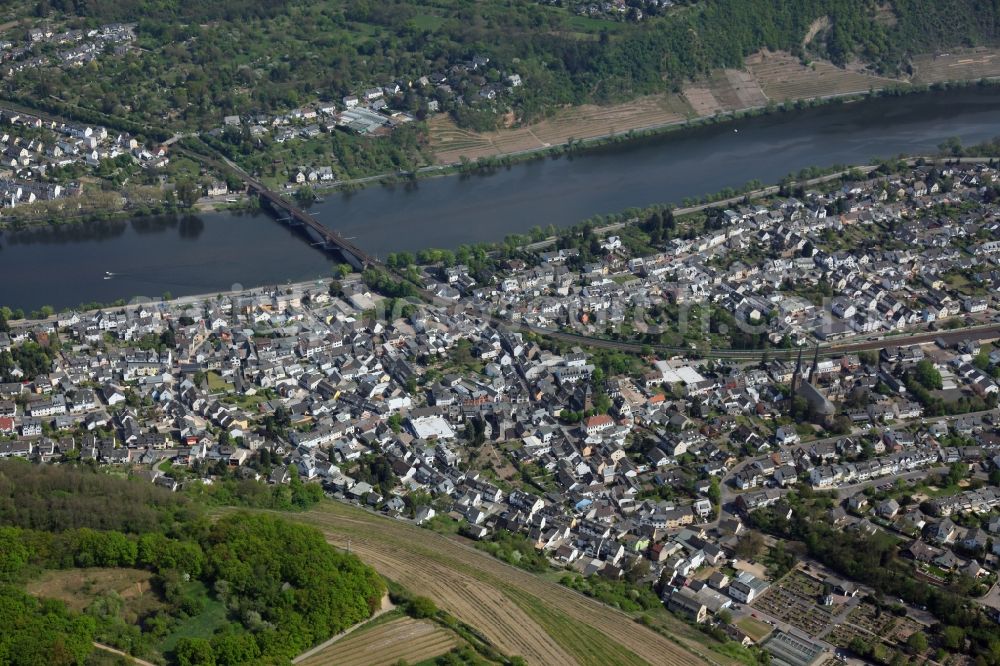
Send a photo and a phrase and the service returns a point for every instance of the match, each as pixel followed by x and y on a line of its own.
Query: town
pixel 857 400
pixel 44 47
pixel 46 159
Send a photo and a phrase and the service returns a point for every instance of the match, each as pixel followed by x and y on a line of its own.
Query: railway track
pixel 984 332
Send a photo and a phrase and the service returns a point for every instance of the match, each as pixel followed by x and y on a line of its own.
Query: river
pixel 213 252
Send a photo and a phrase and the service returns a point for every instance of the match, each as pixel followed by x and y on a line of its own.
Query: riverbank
pixel 766 81
pixel 211 251
pixel 180 301
pixel 582 146
pixel 526 244
pixel 489 164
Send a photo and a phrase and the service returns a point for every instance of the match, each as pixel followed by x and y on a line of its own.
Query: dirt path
pixel 134 660
pixel 386 607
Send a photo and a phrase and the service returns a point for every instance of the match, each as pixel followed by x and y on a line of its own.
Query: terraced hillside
pixel 961 64
pixel 783 77
pixel 450 143
pixel 767 77
pixel 522 614
pixel 386 644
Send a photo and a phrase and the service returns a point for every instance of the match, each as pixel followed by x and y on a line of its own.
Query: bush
pixel 421 607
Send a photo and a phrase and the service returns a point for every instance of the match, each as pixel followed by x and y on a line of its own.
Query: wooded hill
pixel 269 588
pixel 207 60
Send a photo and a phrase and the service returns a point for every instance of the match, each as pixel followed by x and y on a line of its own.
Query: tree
pixel 42 632
pixel 194 652
pixel 956 472
pixel 917 642
pixel 750 546
pixel 953 638
pixel 715 492
pixel 234 648
pixel 420 607
pixel 638 571
pixel 928 376
pixel 187 193
pixel 395 422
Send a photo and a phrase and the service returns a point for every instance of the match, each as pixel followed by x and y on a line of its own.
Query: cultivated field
pixel 78 588
pixel 521 614
pixel 725 90
pixel 702 100
pixel 794 600
pixel 782 77
pixel 386 644
pixel 962 64
pixel 450 144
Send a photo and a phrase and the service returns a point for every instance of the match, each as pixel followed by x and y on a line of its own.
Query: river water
pixel 214 252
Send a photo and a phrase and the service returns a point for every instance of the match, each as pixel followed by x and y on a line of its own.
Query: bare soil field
pixel 386 644
pixel 79 587
pixel 725 90
pixel 962 64
pixel 782 77
pixel 450 143
pixel 736 89
pixel 701 99
pixel 520 613
pixel 822 23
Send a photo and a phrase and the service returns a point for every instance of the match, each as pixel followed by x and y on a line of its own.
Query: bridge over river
pixel 291 214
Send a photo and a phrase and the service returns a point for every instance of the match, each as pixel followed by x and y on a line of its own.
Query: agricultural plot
pixel 794 600
pixel 963 64
pixel 521 614
pixel 844 633
pixel 725 90
pixel 782 77
pixel 385 644
pixel 449 143
pixel 866 623
pixel 867 617
pixel 702 100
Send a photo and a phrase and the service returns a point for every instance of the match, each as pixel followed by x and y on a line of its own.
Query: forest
pixel 274 588
pixel 201 61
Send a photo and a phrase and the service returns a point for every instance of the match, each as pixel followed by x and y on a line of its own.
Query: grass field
pixel 521 614
pixel 385 644
pixel 78 588
pixel 961 64
pixel 755 629
pixel 217 383
pixel 202 625
pixel 450 143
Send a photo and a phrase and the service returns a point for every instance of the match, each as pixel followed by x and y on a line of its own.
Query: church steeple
pixel 797 374
pixel 815 365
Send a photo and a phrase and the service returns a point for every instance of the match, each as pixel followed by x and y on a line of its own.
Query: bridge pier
pixel 291 215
